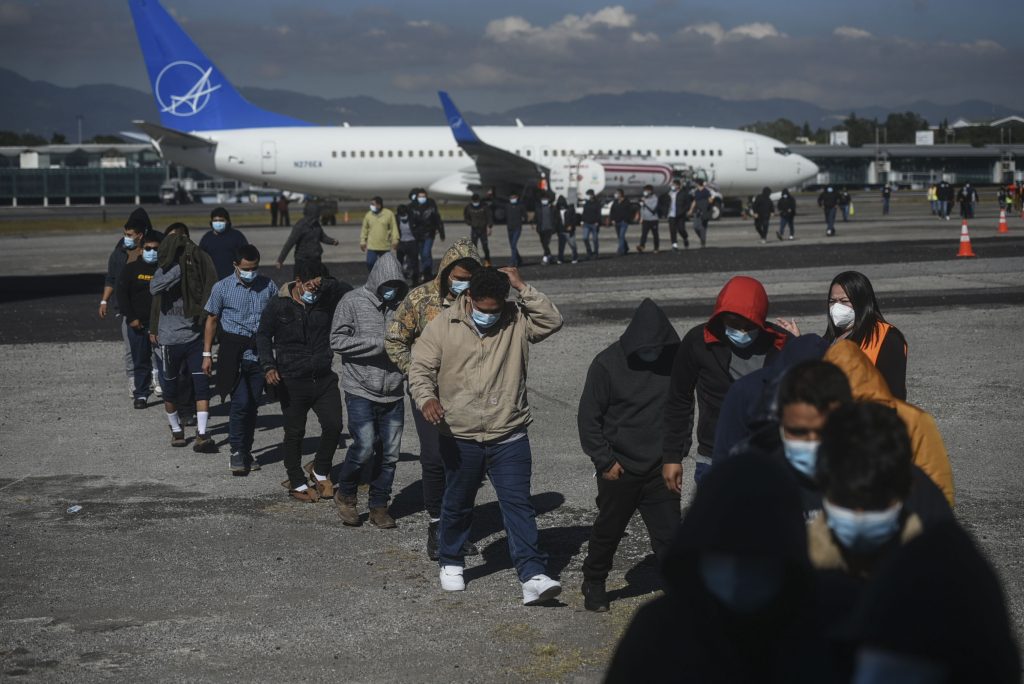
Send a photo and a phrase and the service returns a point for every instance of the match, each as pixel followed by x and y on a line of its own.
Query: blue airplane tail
pixel 191 93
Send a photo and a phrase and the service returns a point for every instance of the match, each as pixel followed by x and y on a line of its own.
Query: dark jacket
pixel 306 237
pixel 620 417
pixel 198 276
pixel 425 220
pixel 592 211
pixel 740 510
pixel 622 211
pixel 763 206
pixel 133 297
pixel 479 217
pixel 221 247
pixel 115 264
pixel 750 402
pixel 515 216
pixel 702 366
pixel 570 219
pixel 828 199
pixel 548 219
pixel 683 202
pixel 786 205
pixel 295 338
pixel 939 600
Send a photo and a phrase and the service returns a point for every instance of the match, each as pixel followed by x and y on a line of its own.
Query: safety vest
pixel 872 348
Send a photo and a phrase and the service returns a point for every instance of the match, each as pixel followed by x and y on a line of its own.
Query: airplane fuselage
pixel 389 160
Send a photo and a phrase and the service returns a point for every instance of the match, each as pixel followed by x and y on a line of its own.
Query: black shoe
pixel 141 404
pixel 595 598
pixel 469 549
pixel 204 444
pixel 238 464
pixel 432 530
pixel 254 463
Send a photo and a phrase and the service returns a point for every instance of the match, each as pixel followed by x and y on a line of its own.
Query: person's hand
pixel 208 365
pixel 394 246
pixel 514 278
pixel 135 325
pixel 278 264
pixel 672 474
pixel 103 309
pixel 153 339
pixel 362 248
pixel 433 411
pixel 272 377
pixel 789 325
pixel 336 243
pixel 613 473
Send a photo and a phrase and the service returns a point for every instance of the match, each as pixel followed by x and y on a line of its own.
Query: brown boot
pixel 323 487
pixel 347 509
pixel 308 495
pixel 380 517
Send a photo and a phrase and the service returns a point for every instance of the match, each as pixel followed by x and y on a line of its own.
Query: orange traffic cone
pixel 1003 228
pixel 965 242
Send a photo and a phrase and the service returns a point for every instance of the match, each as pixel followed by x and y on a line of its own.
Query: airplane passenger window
pixel 399 153
pixel 334 153
pixel 544 152
pixel 390 153
pixel 430 153
pixel 362 153
pixel 648 153
pixel 693 153
pixel 460 153
pixel 451 153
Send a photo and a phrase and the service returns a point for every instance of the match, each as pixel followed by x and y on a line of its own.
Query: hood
pixel 460 249
pixel 866 381
pixel 139 220
pixel 311 210
pixel 743 296
pixel 386 269
pixel 745 506
pixel 649 328
pixel 168 253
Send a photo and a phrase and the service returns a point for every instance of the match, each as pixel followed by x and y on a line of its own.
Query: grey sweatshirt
pixel 174 327
pixel 649 208
pixel 360 322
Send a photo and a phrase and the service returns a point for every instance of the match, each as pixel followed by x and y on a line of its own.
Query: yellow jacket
pixel 380 231
pixel 867 384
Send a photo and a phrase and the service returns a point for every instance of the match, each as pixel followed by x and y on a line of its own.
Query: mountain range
pixel 44 108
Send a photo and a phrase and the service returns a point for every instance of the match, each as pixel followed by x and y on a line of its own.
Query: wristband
pixel 103 301
pixel 207 355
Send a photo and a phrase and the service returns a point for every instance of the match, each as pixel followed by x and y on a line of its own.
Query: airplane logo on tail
pixel 194 99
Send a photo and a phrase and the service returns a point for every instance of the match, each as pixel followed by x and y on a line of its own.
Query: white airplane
pixel 207 125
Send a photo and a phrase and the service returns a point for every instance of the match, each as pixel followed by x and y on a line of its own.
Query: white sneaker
pixel 540 588
pixel 451 578
pixel 131 387
pixel 155 386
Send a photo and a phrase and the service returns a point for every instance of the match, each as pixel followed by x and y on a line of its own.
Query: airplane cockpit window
pixel 784 151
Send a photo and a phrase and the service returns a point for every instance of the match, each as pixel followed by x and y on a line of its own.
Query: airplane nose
pixel 807 168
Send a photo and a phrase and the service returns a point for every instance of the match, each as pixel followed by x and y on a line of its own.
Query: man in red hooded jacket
pixel 736 340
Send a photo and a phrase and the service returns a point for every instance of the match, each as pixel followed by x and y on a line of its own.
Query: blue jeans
pixel 567 238
pixel 590 231
pixel 426 258
pixel 245 400
pixel 368 422
pixel 508 466
pixel 783 222
pixel 371 257
pixel 513 244
pixel 885 206
pixel 142 360
pixel 830 220
pixel 620 230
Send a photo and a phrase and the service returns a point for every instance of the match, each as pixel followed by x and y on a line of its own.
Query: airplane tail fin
pixel 191 93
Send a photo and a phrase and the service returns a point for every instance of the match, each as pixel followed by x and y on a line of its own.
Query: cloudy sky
pixel 492 56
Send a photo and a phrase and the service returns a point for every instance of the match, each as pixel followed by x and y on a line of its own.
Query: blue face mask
pixel 741 584
pixel 129 243
pixel 458 286
pixel 421 200
pixel 802 455
pixel 484 320
pixel 740 338
pixel 149 256
pixel 388 294
pixel 863 532
pixel 246 276
pixel 513 201
pixel 310 297
pixel 219 226
pixel 374 208
pixel 476 204
pixel 545 202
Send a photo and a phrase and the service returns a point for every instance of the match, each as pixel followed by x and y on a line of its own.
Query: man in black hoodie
pixel 764 208
pixel 306 237
pixel 620 424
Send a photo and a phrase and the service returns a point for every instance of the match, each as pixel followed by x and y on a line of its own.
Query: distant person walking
pixel 548 221
pixel 787 214
pixel 700 210
pixel 845 202
pixel 886 199
pixel 222 242
pixel 379 234
pixel 427 225
pixel 946 196
pixel 477 216
pixel 306 237
pixel 591 217
pixel 408 251
pixel 675 203
pixel 282 210
pixel 567 233
pixel 764 209
pixel 829 201
pixel 515 218
pixel 273 211
pixel 968 199
pixel 648 219
pixel 620 214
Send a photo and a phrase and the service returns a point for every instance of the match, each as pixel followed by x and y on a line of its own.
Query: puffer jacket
pixel 357 333
pixel 867 384
pixel 425 220
pixel 294 338
pixel 422 305
pixel 480 380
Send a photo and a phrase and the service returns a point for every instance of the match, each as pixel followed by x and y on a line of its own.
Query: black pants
pixel 298 396
pixel 545 243
pixel 677 228
pixel 617 500
pixel 409 257
pixel 761 226
pixel 479 237
pixel 648 227
pixel 431 463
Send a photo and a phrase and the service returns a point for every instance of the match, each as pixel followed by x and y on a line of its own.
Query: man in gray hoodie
pixel 373 387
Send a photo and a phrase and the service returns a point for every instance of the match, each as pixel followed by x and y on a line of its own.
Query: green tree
pixel 58 139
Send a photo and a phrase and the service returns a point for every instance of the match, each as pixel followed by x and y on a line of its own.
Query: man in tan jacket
pixel 468 377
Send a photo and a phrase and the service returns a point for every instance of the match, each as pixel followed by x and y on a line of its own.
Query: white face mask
pixel 842 315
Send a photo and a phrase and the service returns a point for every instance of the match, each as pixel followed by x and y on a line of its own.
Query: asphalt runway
pixel 173 569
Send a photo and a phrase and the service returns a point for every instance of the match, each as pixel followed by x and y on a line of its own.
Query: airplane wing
pixel 162 136
pixel 497 167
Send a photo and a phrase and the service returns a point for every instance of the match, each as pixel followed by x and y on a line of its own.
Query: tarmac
pixel 174 570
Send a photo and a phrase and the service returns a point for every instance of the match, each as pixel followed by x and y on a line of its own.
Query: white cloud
pixel 851 32
pixel 983 46
pixel 649 37
pixel 717 33
pixel 569 27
